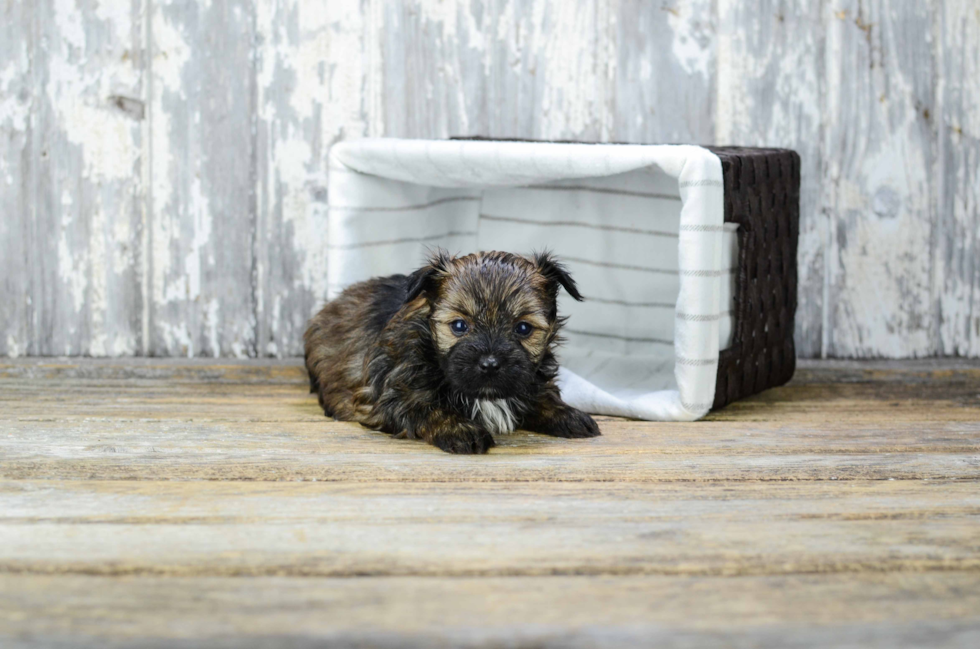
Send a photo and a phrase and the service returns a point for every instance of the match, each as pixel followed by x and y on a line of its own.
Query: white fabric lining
pixel 640 227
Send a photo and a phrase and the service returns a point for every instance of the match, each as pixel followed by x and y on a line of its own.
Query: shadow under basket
pixel 686 255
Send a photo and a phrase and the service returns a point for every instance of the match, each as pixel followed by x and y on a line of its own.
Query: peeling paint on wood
pixel 16 168
pixel 957 257
pixel 877 187
pixel 314 78
pixel 203 148
pixel 665 69
pixel 71 281
pixel 174 204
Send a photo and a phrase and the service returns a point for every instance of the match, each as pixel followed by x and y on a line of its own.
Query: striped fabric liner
pixel 640 227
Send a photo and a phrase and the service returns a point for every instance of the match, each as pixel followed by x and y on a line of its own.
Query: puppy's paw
pixel 464 439
pixel 570 423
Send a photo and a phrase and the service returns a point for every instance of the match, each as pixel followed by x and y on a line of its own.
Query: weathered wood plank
pixel 85 167
pixel 16 176
pixel 208 528
pixel 435 59
pixel 236 251
pixel 844 407
pixel 594 71
pixel 551 70
pixel 957 240
pixel 291 157
pixel 770 78
pixel 530 69
pixel 938 372
pixel 777 526
pixel 133 448
pixel 665 64
pixel 203 182
pixel 878 152
pixel 257 421
pixel 838 394
pixel 525 69
pixel 833 406
pixel 315 81
pixel 907 610
pixel 141 370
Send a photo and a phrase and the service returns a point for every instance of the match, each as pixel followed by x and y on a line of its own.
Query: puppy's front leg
pixel 454 434
pixel 552 416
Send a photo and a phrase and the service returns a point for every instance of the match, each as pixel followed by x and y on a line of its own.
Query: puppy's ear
pixel 427 278
pixel 556 273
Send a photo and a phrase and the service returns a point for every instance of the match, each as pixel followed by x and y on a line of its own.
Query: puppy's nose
pixel 489 364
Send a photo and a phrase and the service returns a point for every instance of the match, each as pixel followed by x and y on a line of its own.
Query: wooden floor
pixel 180 503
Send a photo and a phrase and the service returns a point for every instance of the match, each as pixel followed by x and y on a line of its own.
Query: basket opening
pixel 614 214
pixel 619 237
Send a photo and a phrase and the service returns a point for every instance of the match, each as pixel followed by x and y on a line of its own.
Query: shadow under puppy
pixel 458 350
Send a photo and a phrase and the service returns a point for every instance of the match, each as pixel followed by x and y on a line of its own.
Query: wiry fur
pixel 496 415
pixel 384 353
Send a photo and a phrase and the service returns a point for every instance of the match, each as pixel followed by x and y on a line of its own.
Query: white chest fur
pixel 496 415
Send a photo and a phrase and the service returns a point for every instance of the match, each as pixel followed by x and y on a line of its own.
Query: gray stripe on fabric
pixel 701 318
pixel 606 264
pixel 407 208
pixel 346 170
pixel 698 406
pixel 603 190
pixel 707 182
pixel 695 362
pixel 618 337
pixel 708 273
pixel 703 228
pixel 651 305
pixel 578 224
pixel 391 242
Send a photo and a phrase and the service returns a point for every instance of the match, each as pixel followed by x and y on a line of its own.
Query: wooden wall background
pixel 163 162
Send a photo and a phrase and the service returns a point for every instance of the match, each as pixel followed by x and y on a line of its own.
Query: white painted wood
pixel 877 187
pixel 16 188
pixel 202 300
pixel 71 134
pixel 957 256
pixel 196 224
pixel 314 73
pixel 665 70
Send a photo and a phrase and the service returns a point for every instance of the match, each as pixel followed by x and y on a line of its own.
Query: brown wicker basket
pixel 762 195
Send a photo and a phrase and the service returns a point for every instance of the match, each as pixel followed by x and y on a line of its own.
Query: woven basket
pixel 688 254
pixel 762 195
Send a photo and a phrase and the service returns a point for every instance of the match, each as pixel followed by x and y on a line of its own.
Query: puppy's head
pixel 494 317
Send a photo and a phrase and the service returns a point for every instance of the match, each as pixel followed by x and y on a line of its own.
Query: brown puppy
pixel 458 350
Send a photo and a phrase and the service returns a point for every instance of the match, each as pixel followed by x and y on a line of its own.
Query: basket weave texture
pixel 762 195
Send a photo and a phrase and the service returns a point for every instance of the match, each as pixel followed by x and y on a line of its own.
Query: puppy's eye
pixel 459 327
pixel 523 329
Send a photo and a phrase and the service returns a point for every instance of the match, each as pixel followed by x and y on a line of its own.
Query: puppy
pixel 459 350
